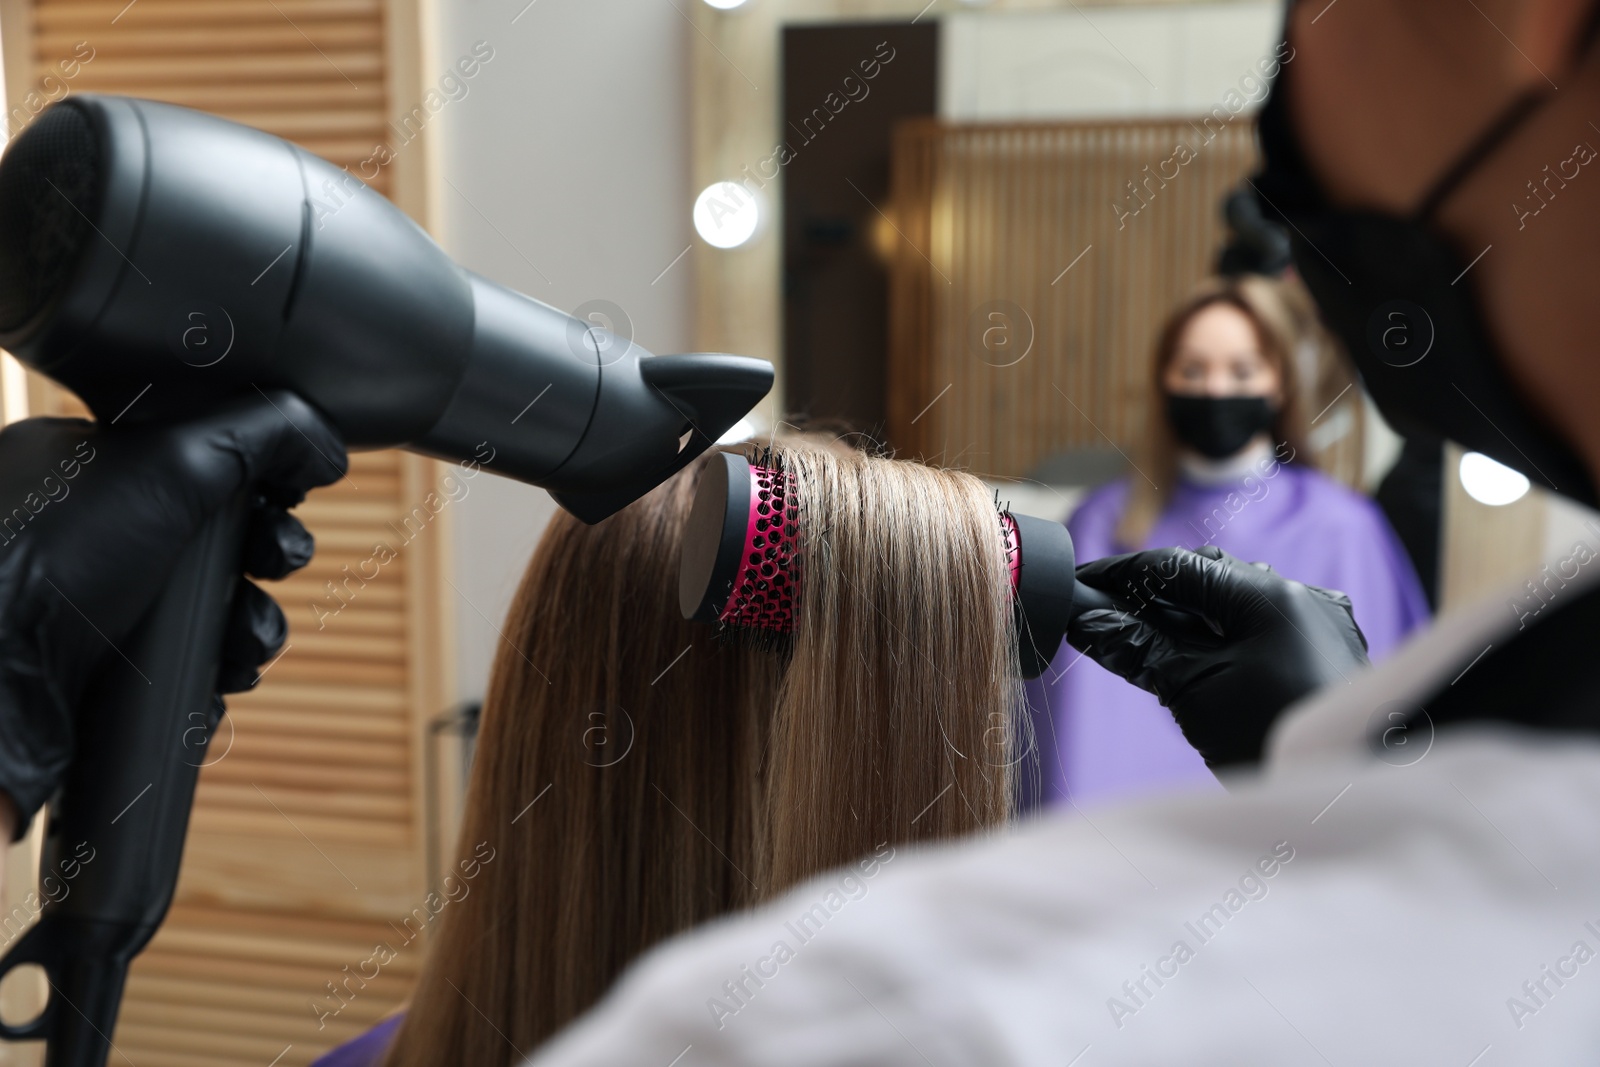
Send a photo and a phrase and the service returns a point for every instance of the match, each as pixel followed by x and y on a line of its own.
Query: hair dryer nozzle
pixel 653 416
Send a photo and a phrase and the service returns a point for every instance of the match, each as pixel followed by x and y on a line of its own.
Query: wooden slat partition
pixel 307 843
pixel 1030 235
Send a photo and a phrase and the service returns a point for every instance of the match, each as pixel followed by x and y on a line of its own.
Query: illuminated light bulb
pixel 726 214
pixel 1490 482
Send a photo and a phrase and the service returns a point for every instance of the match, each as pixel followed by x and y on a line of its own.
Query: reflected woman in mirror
pixel 1225 461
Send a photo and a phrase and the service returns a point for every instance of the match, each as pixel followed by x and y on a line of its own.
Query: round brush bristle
pixel 1013 544
pixel 765 586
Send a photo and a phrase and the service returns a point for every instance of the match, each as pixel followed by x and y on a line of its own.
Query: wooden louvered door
pixel 307 844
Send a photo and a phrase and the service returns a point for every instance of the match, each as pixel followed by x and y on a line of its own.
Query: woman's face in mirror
pixel 1219 354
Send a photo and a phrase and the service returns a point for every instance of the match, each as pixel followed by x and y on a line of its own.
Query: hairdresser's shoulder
pixel 1156 932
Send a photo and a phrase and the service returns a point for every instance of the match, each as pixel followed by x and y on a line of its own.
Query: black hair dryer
pixel 156 260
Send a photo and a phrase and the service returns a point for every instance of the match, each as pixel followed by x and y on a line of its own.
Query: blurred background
pixel 939 219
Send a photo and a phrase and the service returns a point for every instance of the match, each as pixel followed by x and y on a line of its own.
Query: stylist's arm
pixel 1280 640
pixel 92 521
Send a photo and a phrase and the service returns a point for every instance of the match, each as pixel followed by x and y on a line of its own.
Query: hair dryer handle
pixel 116 833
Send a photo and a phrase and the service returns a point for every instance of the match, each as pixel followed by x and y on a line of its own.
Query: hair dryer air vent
pixel 48 191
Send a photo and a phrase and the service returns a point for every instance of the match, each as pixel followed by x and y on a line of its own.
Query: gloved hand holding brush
pixel 1279 641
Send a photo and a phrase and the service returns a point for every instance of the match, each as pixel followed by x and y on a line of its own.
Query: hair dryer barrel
pixel 550 399
pixel 155 259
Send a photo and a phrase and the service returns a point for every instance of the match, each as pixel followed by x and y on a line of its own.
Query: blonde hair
pixel 1281 325
pixel 894 723
pixel 886 720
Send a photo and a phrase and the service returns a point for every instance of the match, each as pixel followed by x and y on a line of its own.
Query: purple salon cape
pixel 366 1050
pixel 1100 738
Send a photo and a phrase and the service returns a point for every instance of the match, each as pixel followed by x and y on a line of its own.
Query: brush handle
pixel 1176 621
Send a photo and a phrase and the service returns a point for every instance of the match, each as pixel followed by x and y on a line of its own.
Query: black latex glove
pixel 92 521
pixel 1279 640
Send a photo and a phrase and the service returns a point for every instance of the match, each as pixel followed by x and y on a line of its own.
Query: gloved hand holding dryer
pixel 92 520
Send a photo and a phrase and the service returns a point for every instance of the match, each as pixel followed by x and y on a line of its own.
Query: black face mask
pixel 1387 286
pixel 1218 426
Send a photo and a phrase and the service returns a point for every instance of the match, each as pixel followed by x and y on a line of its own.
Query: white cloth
pixel 1442 907
pixel 1253 458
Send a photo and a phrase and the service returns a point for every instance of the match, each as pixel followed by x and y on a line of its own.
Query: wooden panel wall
pixel 1028 282
pixel 307 843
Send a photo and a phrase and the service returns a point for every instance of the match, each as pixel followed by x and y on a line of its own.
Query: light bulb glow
pixel 726 214
pixel 1490 482
pixel 725 5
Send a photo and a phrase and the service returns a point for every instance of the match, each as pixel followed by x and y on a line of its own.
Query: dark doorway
pixel 844 88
